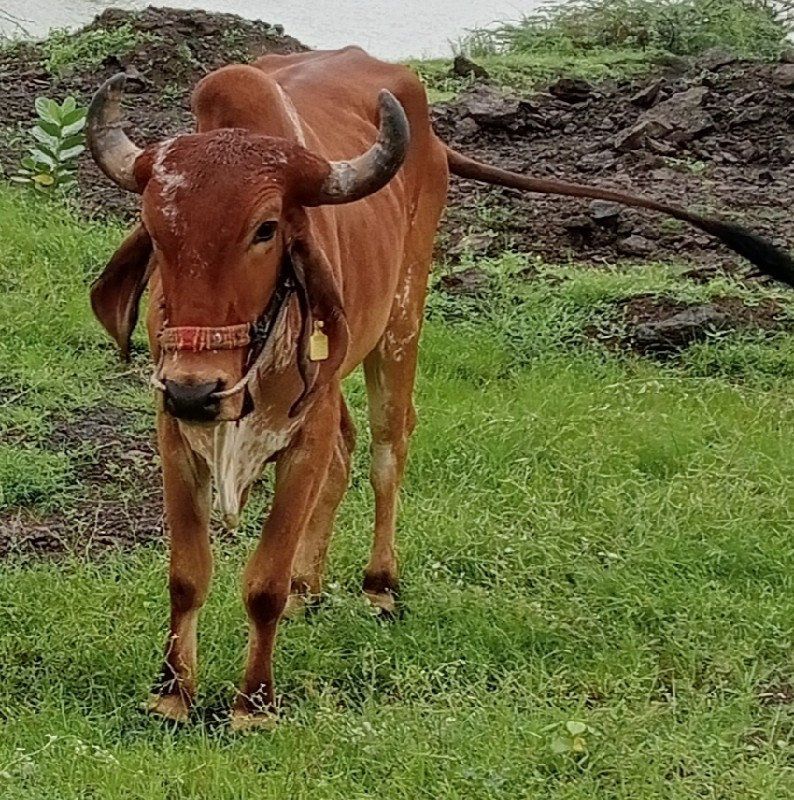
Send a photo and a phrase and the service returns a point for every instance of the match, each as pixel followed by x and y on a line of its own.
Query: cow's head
pixel 223 219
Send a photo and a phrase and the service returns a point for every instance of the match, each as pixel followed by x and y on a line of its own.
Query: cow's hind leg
pixel 186 486
pixel 390 371
pixel 309 566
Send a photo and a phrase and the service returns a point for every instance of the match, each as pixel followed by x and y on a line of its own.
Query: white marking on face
pixel 169 181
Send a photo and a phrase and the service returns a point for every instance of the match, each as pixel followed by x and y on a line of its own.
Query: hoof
pixel 301 605
pixel 383 604
pixel 172 707
pixel 244 722
pixel 296 606
pixel 382 590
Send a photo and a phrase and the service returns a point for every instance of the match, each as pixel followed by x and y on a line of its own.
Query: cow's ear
pixel 116 293
pixel 322 312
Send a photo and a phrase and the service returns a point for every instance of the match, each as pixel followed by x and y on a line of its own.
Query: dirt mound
pixel 716 138
pixel 165 52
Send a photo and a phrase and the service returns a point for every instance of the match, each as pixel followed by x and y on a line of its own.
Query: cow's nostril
pixel 192 401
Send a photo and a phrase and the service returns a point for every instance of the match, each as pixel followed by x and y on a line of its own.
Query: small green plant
pixel 59 140
pixel 64 50
pixel 571 739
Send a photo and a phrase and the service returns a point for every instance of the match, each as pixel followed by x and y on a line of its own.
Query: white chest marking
pixel 235 453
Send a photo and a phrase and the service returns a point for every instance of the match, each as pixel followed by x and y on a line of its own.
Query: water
pixel 389 29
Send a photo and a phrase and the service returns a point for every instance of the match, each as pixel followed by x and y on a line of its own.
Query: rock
pixel 659 147
pixel 746 151
pixel 748 96
pixel 648 95
pixel 673 65
pixel 635 245
pixel 701 274
pixel 593 162
pixel 604 212
pixel 571 90
pixel 471 281
pixel 787 56
pixel 135 77
pixel 466 128
pixel 636 137
pixel 578 224
pixel 580 229
pixel 624 228
pixel 783 76
pixel 650 162
pixel 682 115
pixel 465 68
pixel 680 330
pixel 488 107
pixel 782 155
pixel 716 57
pixel 607 124
pixel 749 115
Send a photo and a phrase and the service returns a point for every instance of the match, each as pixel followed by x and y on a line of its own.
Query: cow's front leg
pixel 300 472
pixel 186 487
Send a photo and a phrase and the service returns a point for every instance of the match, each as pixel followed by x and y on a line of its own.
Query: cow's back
pixel 332 90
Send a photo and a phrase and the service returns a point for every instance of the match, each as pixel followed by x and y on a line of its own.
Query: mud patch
pixel 777 694
pixel 659 327
pixel 120 491
pixel 713 135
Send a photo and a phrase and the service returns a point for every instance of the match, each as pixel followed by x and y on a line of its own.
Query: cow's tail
pixel 768 258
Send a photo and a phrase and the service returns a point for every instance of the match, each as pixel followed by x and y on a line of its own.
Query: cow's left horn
pixel 359 177
pixel 112 150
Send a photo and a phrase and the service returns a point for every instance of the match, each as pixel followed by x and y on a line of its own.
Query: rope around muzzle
pixel 228 337
pixel 238 387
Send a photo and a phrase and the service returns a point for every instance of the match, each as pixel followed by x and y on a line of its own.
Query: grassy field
pixel 596 551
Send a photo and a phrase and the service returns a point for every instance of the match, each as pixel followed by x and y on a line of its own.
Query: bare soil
pixel 659 327
pixel 118 475
pixel 716 137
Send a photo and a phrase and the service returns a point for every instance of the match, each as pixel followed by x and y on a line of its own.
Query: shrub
pixel 59 139
pixel 88 48
pixel 750 28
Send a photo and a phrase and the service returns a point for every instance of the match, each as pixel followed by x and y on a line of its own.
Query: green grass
pixel 64 50
pixel 523 72
pixel 585 537
pixel 749 28
pixel 609 39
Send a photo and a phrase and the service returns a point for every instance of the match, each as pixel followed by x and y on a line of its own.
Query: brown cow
pixel 268 285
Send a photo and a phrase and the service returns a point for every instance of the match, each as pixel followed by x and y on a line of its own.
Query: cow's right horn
pixel 112 150
pixel 361 176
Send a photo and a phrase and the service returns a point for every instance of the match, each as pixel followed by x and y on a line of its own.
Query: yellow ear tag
pixel 318 343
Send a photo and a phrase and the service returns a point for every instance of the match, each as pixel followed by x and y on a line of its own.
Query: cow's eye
pixel 265 232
